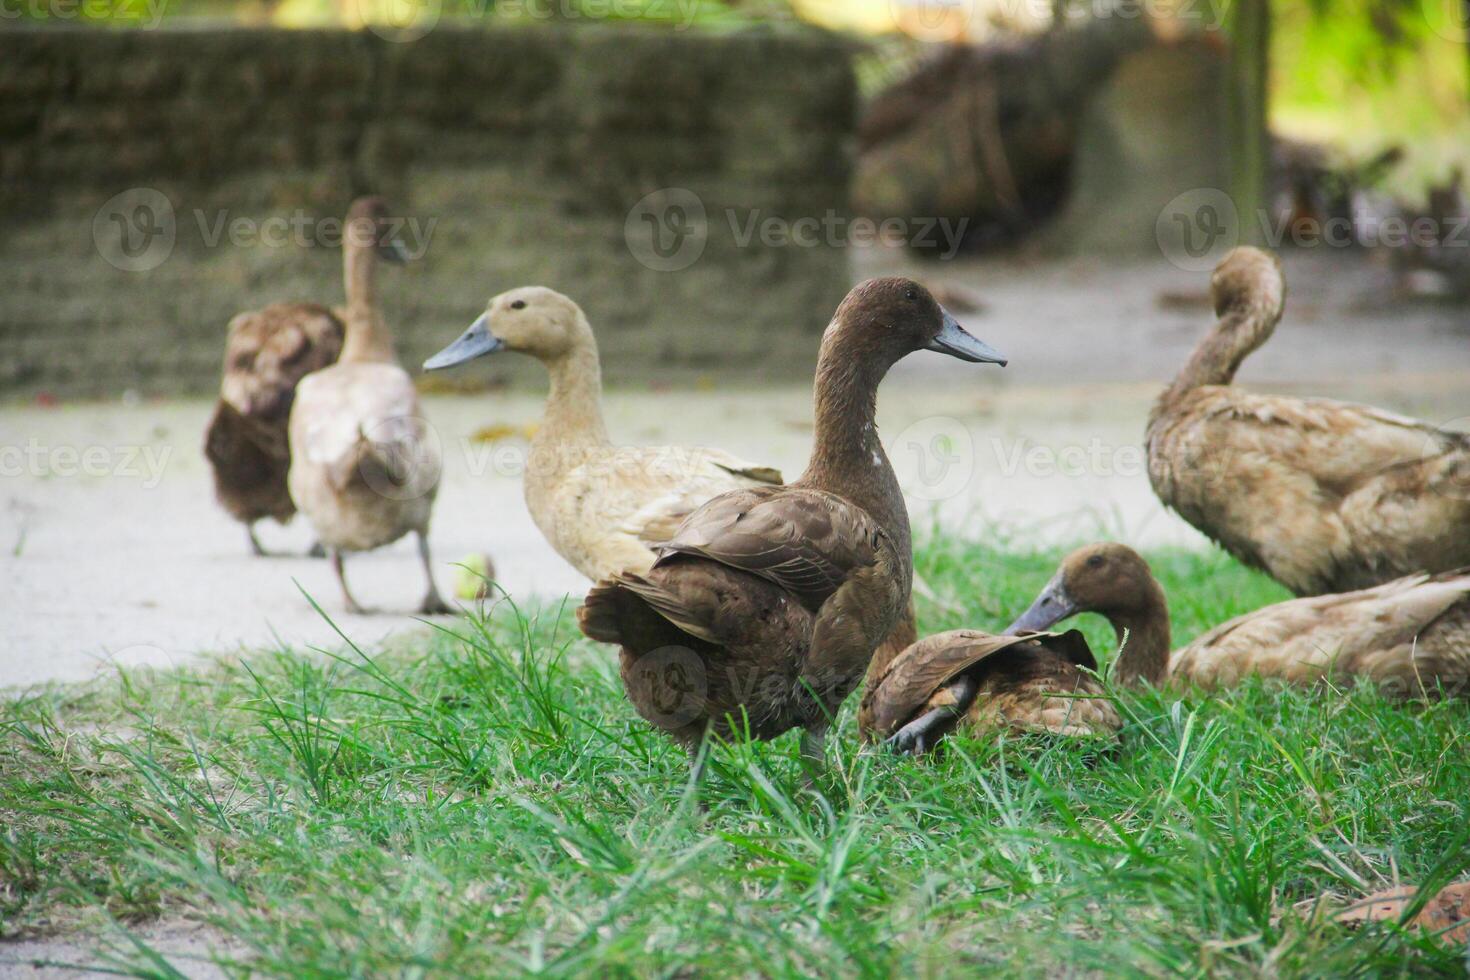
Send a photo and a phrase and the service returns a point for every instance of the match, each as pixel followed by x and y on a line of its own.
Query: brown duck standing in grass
pixel 365 465
pixel 1322 495
pixel 762 612
pixel 1410 636
pixel 267 353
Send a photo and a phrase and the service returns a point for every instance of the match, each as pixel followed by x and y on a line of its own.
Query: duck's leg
pixel 255 548
pixel 352 605
pixel 920 735
pixel 434 604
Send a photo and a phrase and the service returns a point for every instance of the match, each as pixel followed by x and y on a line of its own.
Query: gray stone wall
pixel 518 154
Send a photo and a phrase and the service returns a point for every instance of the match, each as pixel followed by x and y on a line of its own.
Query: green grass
pixel 488 803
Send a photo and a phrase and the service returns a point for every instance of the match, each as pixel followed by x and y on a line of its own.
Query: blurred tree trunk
pixel 1247 99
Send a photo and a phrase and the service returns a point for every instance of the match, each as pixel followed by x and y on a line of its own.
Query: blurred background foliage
pixel 1356 75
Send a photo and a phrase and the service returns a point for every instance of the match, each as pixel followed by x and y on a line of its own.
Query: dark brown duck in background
pixel 763 611
pixel 267 353
pixel 1324 496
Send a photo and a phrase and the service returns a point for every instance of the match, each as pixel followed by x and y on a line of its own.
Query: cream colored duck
pixel 364 464
pixel 603 507
pixel 1322 495
pixel 1410 636
pixel 267 353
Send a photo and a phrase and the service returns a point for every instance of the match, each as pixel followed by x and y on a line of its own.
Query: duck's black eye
pixel 911 294
pixel 1096 561
pixel 519 304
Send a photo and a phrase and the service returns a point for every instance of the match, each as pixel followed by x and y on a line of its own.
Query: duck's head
pixel 532 319
pixel 885 319
pixel 1107 578
pixel 370 225
pixel 1248 291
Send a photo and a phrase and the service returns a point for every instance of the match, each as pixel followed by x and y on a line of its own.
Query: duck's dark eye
pixel 519 304
pixel 1096 561
pixel 911 294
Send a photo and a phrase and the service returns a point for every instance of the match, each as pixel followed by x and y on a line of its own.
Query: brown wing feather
pixel 806 541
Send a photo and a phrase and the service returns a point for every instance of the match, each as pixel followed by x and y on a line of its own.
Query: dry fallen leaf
pixel 500 430
pixel 1447 913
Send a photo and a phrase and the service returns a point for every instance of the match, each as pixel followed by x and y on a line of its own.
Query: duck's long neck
pixel 1145 657
pixel 573 419
pixel 1218 356
pixel 368 338
pixel 847 456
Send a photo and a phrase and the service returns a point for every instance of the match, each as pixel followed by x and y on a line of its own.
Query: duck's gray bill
pixel 1050 608
pixel 473 343
pixel 953 340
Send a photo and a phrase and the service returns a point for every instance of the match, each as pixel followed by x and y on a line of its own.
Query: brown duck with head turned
pixel 1410 636
pixel 267 353
pixel 762 612
pixel 1324 496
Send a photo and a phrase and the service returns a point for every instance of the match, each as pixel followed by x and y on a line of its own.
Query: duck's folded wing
pixel 1340 444
pixel 934 662
pixel 1371 632
pixel 681 482
pixel 806 541
pixel 365 423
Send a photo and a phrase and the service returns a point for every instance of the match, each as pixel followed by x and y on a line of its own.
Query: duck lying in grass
pixel 364 466
pixel 764 608
pixel 1039 682
pixel 267 354
pixel 602 507
pixel 1410 636
pixel 1323 496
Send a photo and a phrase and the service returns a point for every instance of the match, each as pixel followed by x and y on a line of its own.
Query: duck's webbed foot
pixel 317 550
